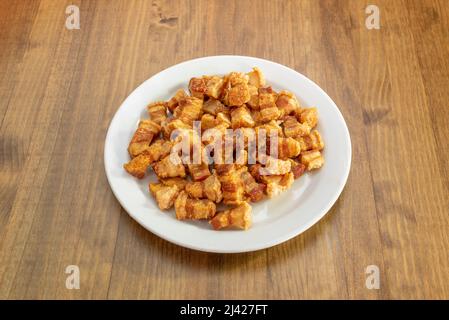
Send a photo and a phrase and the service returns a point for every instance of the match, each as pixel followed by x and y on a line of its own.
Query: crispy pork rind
pixel 312 159
pixel 214 106
pixel 235 90
pixel 288 148
pixel 312 141
pixel 139 165
pixel 172 124
pixel 287 103
pixel 180 183
pixel 267 105
pixel 142 138
pixel 256 78
pixel 232 187
pixel 210 86
pixel 165 195
pixel 294 129
pixel 189 110
pixel 276 184
pixel 241 117
pixel 238 217
pixel 157 111
pixel 210 188
pixel 193 209
pixel 309 116
pixel 169 167
pixel 173 103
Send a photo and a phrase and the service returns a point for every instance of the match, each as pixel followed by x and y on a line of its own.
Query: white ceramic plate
pixel 274 220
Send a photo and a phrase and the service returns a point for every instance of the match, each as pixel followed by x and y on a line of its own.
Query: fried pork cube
pixel 274 166
pixel 169 125
pixel 278 183
pixel 157 111
pixel 214 86
pixel 288 148
pixel 214 106
pixel 189 110
pixel 256 78
pixel 212 188
pixel 236 91
pixel 298 168
pixel 143 137
pixel 195 189
pixel 197 87
pixel 159 149
pixel 312 159
pixel 165 195
pixel 199 172
pixel 313 141
pixel 287 103
pixel 238 95
pixel 232 187
pixel 210 86
pixel 208 121
pixel 139 165
pixel 169 167
pixel 309 116
pixel 293 128
pixel 253 102
pixel 174 101
pixel 223 119
pixel 238 217
pixel 254 190
pixel 209 188
pixel 188 208
pixel 180 183
pixel 241 117
pixel 267 105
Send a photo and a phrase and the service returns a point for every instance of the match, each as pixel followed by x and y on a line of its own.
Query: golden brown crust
pixel 238 217
pixel 143 137
pixel 165 195
pixel 256 78
pixel 312 159
pixel 189 110
pixel 173 103
pixel 157 111
pixel 194 209
pixel 241 117
pixel 309 116
pixel 169 167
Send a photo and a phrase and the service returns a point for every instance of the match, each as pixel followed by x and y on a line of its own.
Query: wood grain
pixel 59 89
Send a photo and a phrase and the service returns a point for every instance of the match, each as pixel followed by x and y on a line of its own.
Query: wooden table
pixel 59 89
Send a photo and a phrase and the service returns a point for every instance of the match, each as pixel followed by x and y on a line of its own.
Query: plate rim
pixel 268 243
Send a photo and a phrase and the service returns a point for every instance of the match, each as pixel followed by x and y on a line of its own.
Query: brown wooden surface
pixel 60 88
